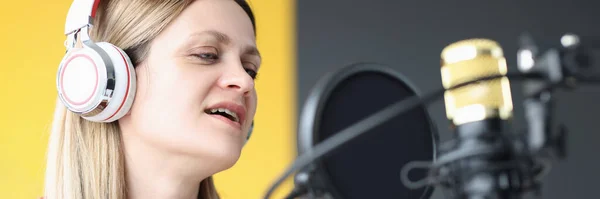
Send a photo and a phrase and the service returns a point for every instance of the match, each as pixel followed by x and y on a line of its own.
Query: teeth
pixel 228 112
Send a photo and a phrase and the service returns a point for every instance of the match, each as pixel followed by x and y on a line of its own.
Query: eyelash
pixel 212 58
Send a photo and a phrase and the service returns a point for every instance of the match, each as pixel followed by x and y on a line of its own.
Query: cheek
pixel 167 109
pixel 170 97
pixel 167 86
pixel 252 104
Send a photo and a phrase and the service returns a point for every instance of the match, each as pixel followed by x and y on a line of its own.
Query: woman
pixel 191 58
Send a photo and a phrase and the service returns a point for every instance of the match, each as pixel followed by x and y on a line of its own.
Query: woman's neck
pixel 160 175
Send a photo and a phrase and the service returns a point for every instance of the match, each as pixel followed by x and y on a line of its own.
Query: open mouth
pixel 225 113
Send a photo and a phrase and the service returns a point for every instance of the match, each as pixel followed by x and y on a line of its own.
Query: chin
pixel 220 151
pixel 224 156
pixel 204 143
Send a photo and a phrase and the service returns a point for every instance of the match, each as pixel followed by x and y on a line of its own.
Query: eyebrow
pixel 251 50
pixel 223 38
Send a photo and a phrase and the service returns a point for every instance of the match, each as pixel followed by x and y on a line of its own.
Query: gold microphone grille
pixel 468 60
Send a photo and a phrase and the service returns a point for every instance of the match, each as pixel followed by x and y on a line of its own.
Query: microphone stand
pixel 567 65
pixel 542 138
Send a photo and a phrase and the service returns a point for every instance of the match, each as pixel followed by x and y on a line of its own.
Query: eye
pixel 207 56
pixel 252 73
pixel 250 69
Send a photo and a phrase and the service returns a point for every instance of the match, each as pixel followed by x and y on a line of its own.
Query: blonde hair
pixel 84 159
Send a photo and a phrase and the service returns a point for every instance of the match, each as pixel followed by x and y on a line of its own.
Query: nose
pixel 237 79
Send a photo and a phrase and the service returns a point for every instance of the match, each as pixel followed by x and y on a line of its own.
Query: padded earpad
pixel 84 77
pixel 125 85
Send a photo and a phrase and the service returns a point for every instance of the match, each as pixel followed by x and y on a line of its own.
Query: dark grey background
pixel 409 36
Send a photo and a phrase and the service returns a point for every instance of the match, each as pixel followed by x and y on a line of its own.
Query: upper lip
pixel 239 110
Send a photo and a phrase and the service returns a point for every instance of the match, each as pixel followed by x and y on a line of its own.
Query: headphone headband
pixel 81 14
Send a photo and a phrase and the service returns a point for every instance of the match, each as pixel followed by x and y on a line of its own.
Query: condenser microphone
pixel 481 102
pixel 478 161
pixel 485 158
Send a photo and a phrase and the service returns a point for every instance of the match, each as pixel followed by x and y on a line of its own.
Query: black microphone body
pixel 482 162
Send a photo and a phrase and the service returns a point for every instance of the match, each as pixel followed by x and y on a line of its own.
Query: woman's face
pixel 195 91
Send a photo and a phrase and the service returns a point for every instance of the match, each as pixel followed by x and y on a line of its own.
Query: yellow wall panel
pixel 31 46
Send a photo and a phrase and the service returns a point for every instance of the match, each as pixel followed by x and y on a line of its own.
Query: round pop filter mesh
pixel 369 166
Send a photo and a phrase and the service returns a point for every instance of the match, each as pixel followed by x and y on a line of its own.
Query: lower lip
pixel 228 121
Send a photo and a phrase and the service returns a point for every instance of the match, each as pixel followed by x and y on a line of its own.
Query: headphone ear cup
pixel 97 82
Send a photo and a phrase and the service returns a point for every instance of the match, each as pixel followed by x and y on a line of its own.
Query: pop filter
pixel 369 166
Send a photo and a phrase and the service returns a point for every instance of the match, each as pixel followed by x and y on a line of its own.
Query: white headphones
pixel 94 80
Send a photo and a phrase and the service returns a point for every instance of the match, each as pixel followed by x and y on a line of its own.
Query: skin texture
pixel 170 143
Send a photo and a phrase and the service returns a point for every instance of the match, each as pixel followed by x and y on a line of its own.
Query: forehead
pixel 224 16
